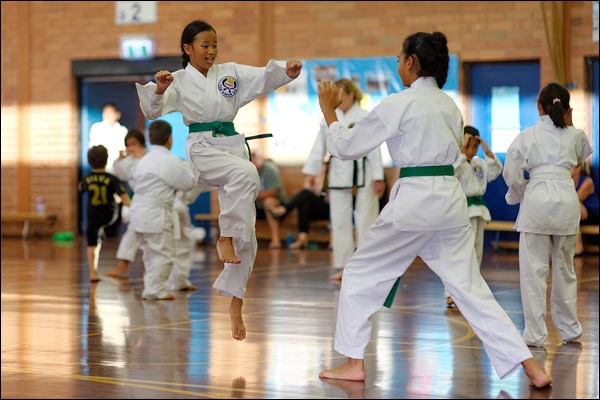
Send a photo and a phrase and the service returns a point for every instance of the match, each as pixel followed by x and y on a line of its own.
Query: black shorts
pixel 95 229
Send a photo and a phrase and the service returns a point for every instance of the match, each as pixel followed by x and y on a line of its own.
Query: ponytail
pixel 554 99
pixel 431 49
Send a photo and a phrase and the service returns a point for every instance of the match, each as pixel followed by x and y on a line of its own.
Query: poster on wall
pixel 293 112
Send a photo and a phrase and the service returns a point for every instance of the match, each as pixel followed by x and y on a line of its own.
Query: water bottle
pixel 39 205
pixel 290 239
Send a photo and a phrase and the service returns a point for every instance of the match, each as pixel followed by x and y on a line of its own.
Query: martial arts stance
pixel 156 178
pixel 209 96
pixel 426 215
pixel 354 185
pixel 549 213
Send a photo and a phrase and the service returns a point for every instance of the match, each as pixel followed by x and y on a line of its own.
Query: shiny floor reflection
pixel 63 337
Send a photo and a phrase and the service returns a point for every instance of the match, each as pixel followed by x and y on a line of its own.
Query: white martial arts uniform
pixel 340 180
pixel 184 243
pixel 156 178
pixel 426 216
pixel 129 244
pixel 221 161
pixel 474 177
pixel 548 223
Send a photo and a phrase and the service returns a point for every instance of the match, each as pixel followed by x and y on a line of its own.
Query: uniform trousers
pixel 386 253
pixel 535 253
pixel 158 252
pixel 344 219
pixel 223 162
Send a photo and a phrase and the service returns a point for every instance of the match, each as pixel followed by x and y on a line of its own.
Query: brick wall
pixel 40 117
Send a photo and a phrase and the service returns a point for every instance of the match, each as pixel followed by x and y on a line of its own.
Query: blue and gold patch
pixel 228 86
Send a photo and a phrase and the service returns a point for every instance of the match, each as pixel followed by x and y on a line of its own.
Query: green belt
pixel 224 128
pixel 431 170
pixel 475 201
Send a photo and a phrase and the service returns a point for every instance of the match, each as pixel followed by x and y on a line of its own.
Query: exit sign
pixel 137 48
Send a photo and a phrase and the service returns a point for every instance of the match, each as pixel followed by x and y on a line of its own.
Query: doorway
pixel 113 80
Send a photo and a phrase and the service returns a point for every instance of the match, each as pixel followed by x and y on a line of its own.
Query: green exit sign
pixel 137 48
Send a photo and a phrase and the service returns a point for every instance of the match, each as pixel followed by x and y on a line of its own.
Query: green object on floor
pixel 63 236
pixel 390 298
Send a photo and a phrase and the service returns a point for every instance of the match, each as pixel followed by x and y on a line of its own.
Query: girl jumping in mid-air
pixel 209 96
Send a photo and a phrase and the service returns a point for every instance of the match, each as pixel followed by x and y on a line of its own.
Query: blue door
pixel 503 102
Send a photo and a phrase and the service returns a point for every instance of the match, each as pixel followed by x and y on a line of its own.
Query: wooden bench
pixel 26 218
pixel 319 230
pixel 507 226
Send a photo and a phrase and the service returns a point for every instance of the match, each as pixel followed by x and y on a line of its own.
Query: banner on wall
pixel 293 112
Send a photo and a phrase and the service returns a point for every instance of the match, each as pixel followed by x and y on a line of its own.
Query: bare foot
pixel 119 270
pixel 226 251
pixel 190 288
pixel 278 211
pixel 535 373
pixel 275 244
pixel 337 276
pixel 353 389
pixel 352 370
pixel 238 330
pixel 298 245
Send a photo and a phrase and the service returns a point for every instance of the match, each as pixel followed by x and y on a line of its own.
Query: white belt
pixel 550 172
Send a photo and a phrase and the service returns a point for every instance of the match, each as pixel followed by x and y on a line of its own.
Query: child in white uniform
pixel 474 173
pixel 209 96
pixel 124 166
pixel 549 213
pixel 354 185
pixel 158 175
pixel 426 215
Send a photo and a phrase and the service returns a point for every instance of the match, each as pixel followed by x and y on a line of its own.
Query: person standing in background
pixel 109 133
pixel 354 186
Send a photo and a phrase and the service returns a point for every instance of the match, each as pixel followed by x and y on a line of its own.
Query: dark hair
pixel 432 52
pixel 97 156
pixel 471 130
pixel 554 99
pixel 137 135
pixel 110 104
pixel 188 35
pixel 160 131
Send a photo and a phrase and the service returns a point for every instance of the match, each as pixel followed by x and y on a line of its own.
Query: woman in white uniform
pixel 549 214
pixel 209 96
pixel 354 185
pixel 426 215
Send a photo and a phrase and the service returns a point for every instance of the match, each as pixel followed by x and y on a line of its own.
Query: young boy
pixel 124 166
pixel 156 178
pixel 474 173
pixel 102 209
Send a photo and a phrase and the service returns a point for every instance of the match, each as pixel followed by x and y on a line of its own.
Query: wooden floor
pixel 65 338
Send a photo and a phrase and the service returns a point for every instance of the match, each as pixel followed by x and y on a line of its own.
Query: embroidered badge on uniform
pixel 478 172
pixel 228 86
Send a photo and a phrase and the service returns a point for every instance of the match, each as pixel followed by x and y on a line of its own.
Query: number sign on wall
pixel 135 12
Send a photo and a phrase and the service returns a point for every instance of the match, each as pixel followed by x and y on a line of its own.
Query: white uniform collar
pixel 194 73
pixel 547 122
pixel 158 147
pixel 424 81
